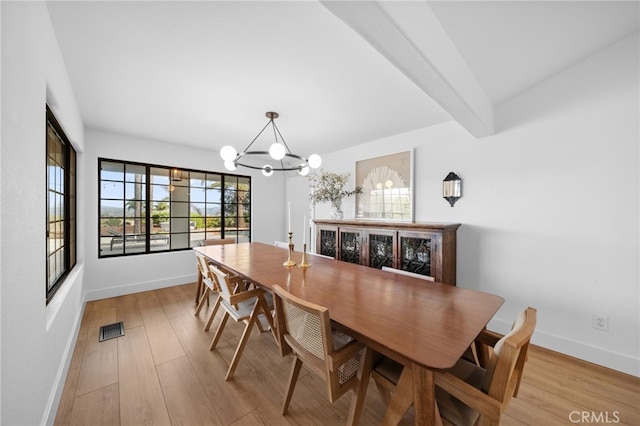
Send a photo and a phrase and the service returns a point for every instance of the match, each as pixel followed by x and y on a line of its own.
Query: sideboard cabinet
pixel 419 247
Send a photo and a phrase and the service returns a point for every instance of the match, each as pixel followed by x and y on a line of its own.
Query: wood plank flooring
pixel 162 373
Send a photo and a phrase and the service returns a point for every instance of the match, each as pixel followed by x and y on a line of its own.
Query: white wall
pixel 123 275
pixel 1 257
pixel 37 341
pixel 549 207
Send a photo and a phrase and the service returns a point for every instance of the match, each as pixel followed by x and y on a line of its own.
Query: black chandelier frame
pixel 238 161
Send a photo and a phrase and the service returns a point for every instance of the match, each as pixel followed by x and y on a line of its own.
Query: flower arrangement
pixel 329 187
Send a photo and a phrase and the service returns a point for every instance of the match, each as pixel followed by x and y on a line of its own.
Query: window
pixel 148 208
pixel 61 206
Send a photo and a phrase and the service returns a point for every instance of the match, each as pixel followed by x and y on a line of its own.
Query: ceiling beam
pixel 410 36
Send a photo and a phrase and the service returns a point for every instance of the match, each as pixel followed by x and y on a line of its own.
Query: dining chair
pixel 468 394
pixel 324 255
pixel 202 273
pixel 219 241
pixel 281 244
pixel 210 242
pixel 407 273
pixel 242 304
pixel 305 330
pixel 206 279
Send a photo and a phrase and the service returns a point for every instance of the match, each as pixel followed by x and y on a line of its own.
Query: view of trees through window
pixel 148 208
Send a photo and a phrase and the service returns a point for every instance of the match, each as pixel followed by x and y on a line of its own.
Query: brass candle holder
pixel 289 263
pixel 303 262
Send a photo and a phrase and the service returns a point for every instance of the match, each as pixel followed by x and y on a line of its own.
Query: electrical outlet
pixel 600 322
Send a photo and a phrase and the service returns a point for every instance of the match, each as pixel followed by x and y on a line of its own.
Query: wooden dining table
pixel 424 325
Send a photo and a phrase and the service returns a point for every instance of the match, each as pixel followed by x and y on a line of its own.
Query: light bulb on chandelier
pixel 315 161
pixel 277 151
pixel 228 153
pixel 304 170
pixel 267 170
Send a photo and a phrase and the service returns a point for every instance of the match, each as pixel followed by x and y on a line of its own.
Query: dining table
pixel 426 326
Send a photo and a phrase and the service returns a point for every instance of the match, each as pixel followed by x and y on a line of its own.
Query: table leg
pixel 425 406
pixel 401 399
pixel 360 392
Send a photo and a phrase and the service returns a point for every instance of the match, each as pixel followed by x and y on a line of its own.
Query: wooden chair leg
pixel 266 317
pixel 205 296
pixel 484 421
pixel 243 341
pixel 216 337
pixel 266 314
pixel 519 367
pixel 216 305
pixel 261 327
pixel 474 353
pixel 437 411
pixel 274 329
pixel 270 317
pixel 293 378
pixel 198 287
pixel 482 353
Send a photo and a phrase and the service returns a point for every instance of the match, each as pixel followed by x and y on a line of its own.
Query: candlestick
pixel 303 262
pixel 289 262
pixel 289 216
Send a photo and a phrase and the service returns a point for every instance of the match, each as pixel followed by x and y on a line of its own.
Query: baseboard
pixel 50 413
pixel 596 355
pixel 122 290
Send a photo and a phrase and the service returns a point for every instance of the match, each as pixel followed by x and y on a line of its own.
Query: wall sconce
pixel 452 188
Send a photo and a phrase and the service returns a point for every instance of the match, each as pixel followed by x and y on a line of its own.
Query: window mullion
pixel 67 207
pixel 147 208
pixel 223 206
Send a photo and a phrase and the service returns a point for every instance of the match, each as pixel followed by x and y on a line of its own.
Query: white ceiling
pixel 512 45
pixel 204 73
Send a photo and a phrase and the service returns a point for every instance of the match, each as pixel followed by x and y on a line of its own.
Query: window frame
pixel 68 193
pixel 146 236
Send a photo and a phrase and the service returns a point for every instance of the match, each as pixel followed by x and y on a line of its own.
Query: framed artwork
pixel 387 187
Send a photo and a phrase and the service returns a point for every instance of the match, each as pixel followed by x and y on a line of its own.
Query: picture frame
pixel 387 187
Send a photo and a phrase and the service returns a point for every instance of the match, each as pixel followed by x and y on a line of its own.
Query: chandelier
pixel 278 158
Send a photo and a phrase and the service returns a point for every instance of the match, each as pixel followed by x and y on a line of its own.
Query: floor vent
pixel 111 331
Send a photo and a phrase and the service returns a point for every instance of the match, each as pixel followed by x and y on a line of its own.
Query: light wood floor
pixel 162 372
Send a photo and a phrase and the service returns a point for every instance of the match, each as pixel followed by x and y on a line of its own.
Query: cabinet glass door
pixel 350 247
pixel 328 243
pixel 415 255
pixel 380 251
